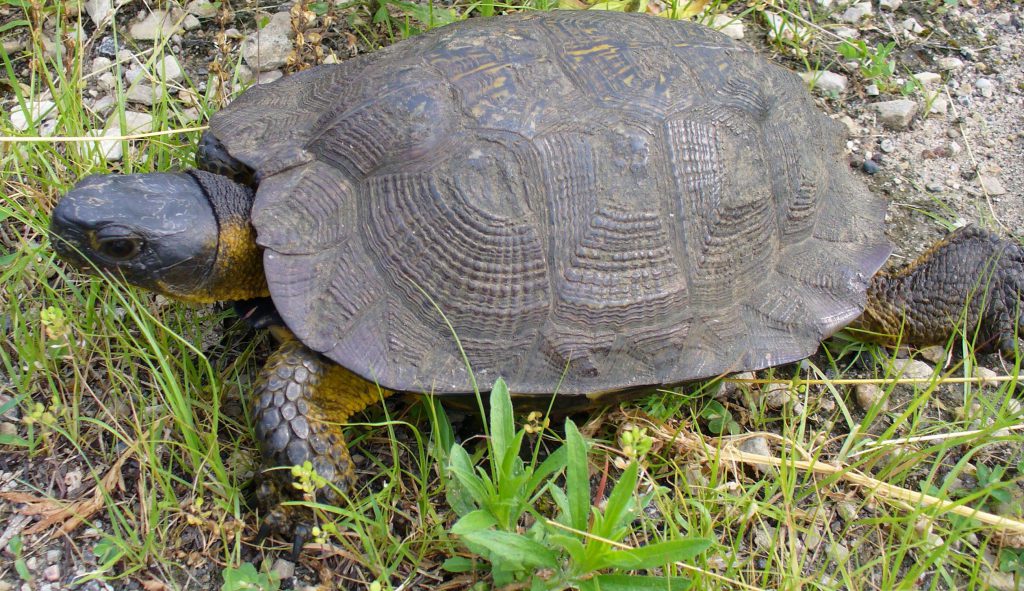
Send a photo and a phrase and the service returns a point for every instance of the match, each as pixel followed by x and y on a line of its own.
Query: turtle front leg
pixel 302 400
pixel 972 280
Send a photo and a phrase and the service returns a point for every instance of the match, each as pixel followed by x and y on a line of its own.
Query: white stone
pixel 950 63
pixel 270 47
pixel 991 185
pixel 144 93
pixel 783 28
pixel 938 105
pixel 159 24
pixel 825 81
pixel 928 78
pixel 846 33
pixel 868 395
pixel 106 81
pixel 99 11
pixel 105 149
pixel 100 65
pixel 268 77
pixel 37 112
pixel 912 25
pixel 134 122
pixel 914 369
pixel 731 26
pixel 890 5
pixel 872 90
pixel 168 69
pixel 895 114
pixel 855 13
pixel 191 23
pixel 986 87
pixel 202 8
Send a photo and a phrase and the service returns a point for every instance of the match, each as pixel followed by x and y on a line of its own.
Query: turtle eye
pixel 117 244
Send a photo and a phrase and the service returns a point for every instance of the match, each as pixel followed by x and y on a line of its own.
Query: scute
pixel 573 201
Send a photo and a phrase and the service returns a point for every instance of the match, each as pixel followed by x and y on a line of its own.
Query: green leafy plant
pixel 719 419
pixel 247 578
pixel 15 547
pixel 874 64
pixel 575 548
pixel 991 481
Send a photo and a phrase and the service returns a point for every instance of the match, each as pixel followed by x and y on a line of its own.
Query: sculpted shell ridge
pixel 587 208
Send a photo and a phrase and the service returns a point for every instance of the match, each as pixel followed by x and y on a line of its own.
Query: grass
pixel 131 428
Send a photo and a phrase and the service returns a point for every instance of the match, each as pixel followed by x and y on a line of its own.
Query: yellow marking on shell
pixel 477 70
pixel 578 53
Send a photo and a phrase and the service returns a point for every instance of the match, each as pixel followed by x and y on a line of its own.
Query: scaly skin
pixel 302 400
pixel 972 281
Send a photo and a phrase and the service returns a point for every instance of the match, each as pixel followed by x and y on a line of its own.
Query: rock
pixel 202 9
pixel 825 81
pixel 887 145
pixel 870 166
pixel 846 33
pixel 107 48
pixel 991 185
pixel 270 47
pixel 244 75
pixel 1000 581
pixel 947 64
pixel 104 149
pixel 100 65
pixel 8 429
pixel 913 369
pixel 895 114
pixel 106 81
pixel 38 111
pixel 937 105
pixel 168 69
pixel 285 569
pixel 99 11
pixel 190 22
pixel 847 510
pixel 135 72
pixel 144 93
pixel 52 573
pixel 776 396
pixel 927 78
pixel 935 354
pixel 268 77
pixel 855 13
pixel 53 555
pixel 869 395
pixel 986 375
pixel 757 445
pixel 838 552
pixel 890 5
pixel 911 25
pixel 872 90
pixel 851 126
pixel 783 28
pixel 731 26
pixel 159 24
pixel 134 122
pixel 986 87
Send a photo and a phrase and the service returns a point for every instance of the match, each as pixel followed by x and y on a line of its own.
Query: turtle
pixel 584 204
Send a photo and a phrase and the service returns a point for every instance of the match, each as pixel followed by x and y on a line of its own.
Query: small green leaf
pixel 476 521
pixel 513 551
pixel 577 477
pixel 616 510
pixel 502 422
pixel 461 466
pixel 615 582
pixel 461 564
pixel 658 554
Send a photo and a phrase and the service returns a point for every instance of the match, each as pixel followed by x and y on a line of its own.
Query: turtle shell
pixel 576 201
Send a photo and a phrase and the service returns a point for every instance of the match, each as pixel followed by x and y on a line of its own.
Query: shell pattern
pixel 575 201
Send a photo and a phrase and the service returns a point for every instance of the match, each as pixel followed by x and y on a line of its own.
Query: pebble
pixel 991 185
pixel 784 28
pixel 285 569
pixel 190 22
pixel 107 149
pixel 776 396
pixel 168 69
pixel 986 375
pixel 851 126
pixel 855 13
pixel 912 25
pixel 268 77
pixel 202 8
pixel 144 93
pixel 934 187
pixel 986 87
pixel 107 47
pixel 134 122
pixel 269 47
pixel 158 24
pixel 38 111
pixel 871 90
pixel 938 105
pixel 914 368
pixel 870 395
pixel 757 445
pixel 887 145
pixel 53 556
pixel 8 429
pixel 99 11
pixel 896 114
pixel 825 81
pixel 947 64
pixel 1000 581
pixel 847 510
pixel 871 167
pixel 838 553
pixel 928 78
pixel 846 33
pixel 52 573
pixel 106 81
pixel 890 5
pixel 101 64
pixel 731 26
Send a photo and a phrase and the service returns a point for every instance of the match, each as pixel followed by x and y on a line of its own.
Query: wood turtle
pixel 580 202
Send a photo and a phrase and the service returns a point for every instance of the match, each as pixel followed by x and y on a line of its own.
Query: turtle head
pixel 185 235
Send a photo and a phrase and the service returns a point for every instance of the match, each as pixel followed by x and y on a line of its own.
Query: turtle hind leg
pixel 302 400
pixel 971 281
